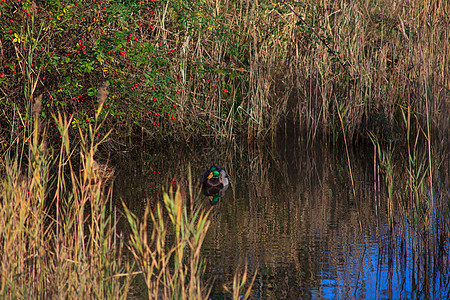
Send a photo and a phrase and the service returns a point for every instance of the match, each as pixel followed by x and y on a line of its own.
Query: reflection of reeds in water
pixel 295 213
pixel 291 212
pixel 418 210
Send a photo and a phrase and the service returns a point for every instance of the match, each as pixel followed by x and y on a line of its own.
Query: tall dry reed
pixel 58 235
pixel 170 257
pixel 395 56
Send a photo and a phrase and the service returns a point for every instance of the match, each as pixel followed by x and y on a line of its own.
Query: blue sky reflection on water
pixel 378 274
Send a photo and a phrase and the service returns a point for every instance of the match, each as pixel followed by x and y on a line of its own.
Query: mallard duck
pixel 214 177
pixel 214 183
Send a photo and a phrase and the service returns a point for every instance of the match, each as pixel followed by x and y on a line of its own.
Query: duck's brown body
pixel 214 183
pixel 214 177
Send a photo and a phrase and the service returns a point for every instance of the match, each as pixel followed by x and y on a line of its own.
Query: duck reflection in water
pixel 214 183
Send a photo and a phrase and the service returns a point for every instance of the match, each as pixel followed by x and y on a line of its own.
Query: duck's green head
pixel 214 173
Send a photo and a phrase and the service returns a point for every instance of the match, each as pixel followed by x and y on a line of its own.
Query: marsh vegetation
pixel 82 83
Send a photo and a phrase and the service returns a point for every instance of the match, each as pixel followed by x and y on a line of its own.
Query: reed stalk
pixel 170 258
pixel 57 237
pixel 385 162
pixel 239 289
pixel 171 270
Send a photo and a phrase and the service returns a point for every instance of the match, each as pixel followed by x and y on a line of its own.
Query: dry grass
pixel 57 238
pixel 58 234
pixel 395 56
pixel 171 270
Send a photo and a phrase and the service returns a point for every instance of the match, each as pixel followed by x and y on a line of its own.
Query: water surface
pixel 291 213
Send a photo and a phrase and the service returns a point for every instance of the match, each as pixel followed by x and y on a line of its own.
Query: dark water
pixel 292 215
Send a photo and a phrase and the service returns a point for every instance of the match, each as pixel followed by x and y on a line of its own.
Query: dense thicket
pixel 185 69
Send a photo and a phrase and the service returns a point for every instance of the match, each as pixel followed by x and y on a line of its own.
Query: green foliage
pixel 67 48
pixel 385 162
